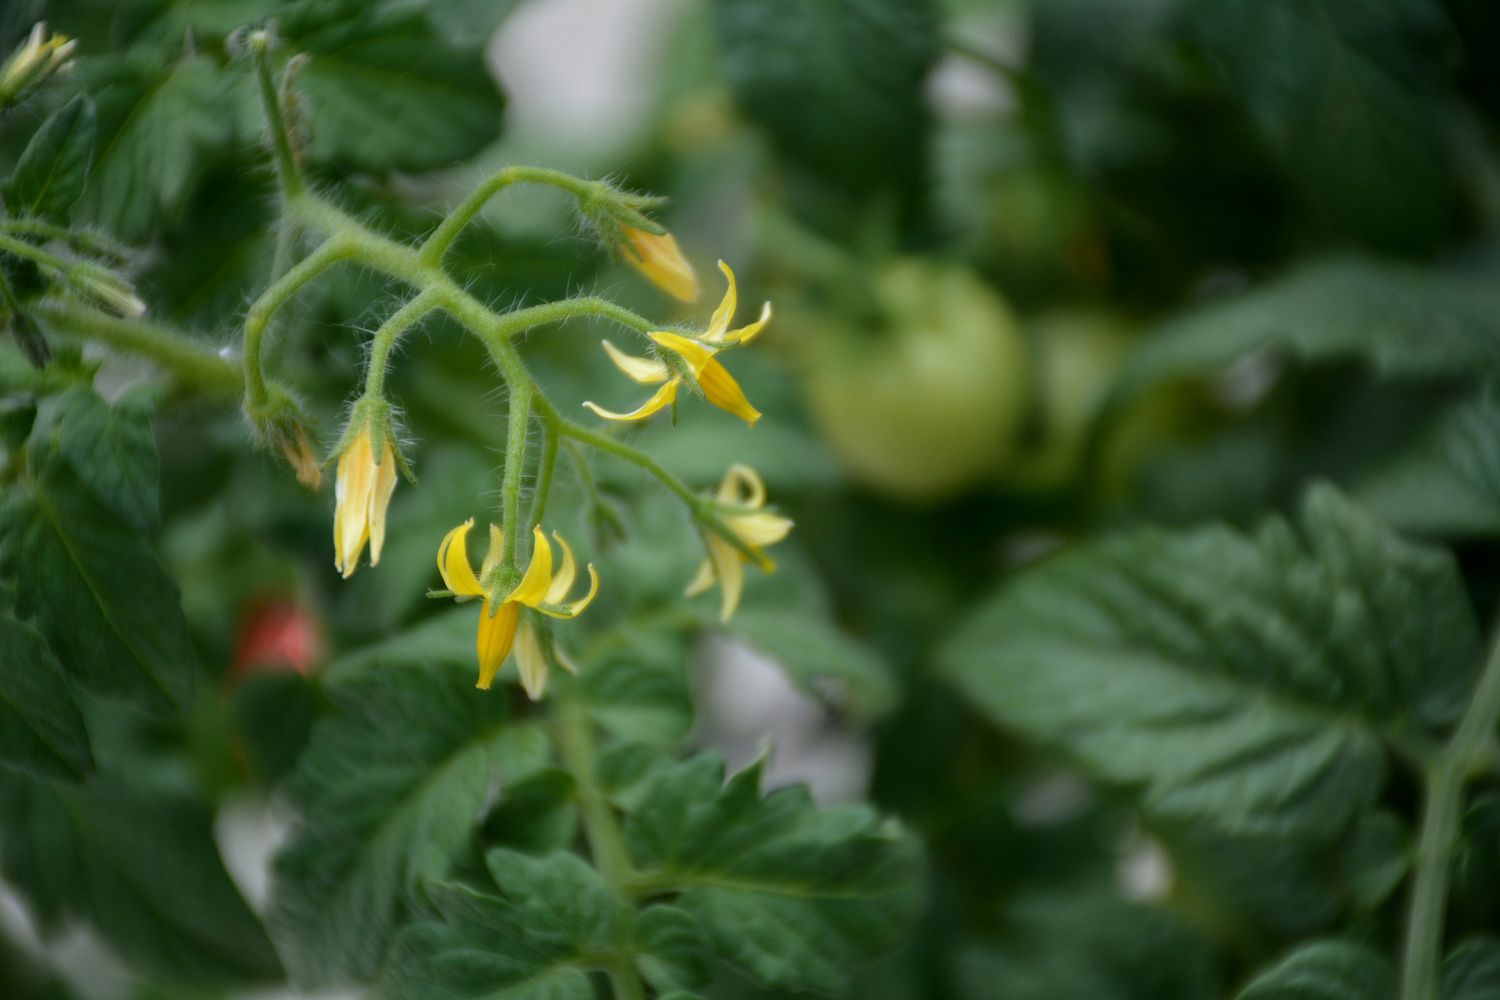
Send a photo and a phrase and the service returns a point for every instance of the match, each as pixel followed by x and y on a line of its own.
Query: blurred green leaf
pixel 1448 481
pixel 1088 945
pixel 1326 970
pixel 391 789
pixel 672 954
pixel 109 447
pixel 825 890
pixel 386 91
pixel 1401 319
pixel 554 919
pixel 1345 102
pixel 160 122
pixel 1376 858
pixel 141 868
pixel 94 587
pixel 1472 970
pixel 41 731
pixel 1245 680
pixel 799 68
pixel 51 173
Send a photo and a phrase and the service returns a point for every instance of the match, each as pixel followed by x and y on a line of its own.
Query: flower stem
pixel 184 358
pixel 442 238
pixel 287 174
pixel 546 469
pixel 389 335
pixel 517 426
pixel 273 298
pixel 1442 808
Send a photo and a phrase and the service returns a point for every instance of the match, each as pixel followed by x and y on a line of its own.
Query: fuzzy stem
pixel 442 238
pixel 517 425
pixel 546 469
pixel 173 351
pixel 389 335
pixel 1442 809
pixel 273 299
pixel 287 174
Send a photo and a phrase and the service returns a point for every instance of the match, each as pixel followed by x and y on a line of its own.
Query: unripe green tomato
pixel 931 402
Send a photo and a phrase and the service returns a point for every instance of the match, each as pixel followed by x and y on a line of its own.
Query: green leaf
pixel 1084 944
pixel 1472 970
pixel 797 67
pixel 1448 481
pixel 141 868
pixel 51 173
pixel 94 588
pixel 391 789
pixel 110 448
pixel 794 895
pixel 160 123
pixel 1375 859
pixel 1243 680
pixel 553 921
pixel 41 731
pixel 1403 320
pixel 1345 105
pixel 672 952
pixel 387 92
pixel 1326 970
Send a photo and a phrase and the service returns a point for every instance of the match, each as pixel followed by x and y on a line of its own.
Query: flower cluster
pixel 515 606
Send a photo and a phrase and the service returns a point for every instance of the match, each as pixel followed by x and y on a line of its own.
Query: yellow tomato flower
pixel 658 257
pixel 741 497
pixel 695 358
pixel 499 620
pixel 362 491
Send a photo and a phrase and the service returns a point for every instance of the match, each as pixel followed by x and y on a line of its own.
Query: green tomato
pixel 932 401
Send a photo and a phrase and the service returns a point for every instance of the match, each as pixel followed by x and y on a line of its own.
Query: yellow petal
pixel 453 562
pixel 562 580
pixel 531 662
pixel 747 333
pixel 646 371
pixel 664 396
pixel 718 324
pixel 496 632
pixel 532 590
pixel 577 607
pixel 494 553
pixel 701 581
pixel 380 501
pixel 742 487
pixel 659 258
pixel 694 353
pixel 720 389
pixel 756 530
pixel 351 503
pixel 729 570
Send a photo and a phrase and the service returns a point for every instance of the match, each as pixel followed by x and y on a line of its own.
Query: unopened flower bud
pixel 32 63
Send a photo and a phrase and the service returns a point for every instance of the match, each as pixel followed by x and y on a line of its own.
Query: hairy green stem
pixel 1465 755
pixel 601 828
pixel 389 335
pixel 517 425
pixel 442 238
pixel 545 470
pixel 184 358
pixel 273 299
pixel 287 174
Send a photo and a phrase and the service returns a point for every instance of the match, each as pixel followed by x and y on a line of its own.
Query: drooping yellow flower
pixel 692 357
pixel 362 491
pixel 741 497
pixel 499 620
pixel 36 59
pixel 660 259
